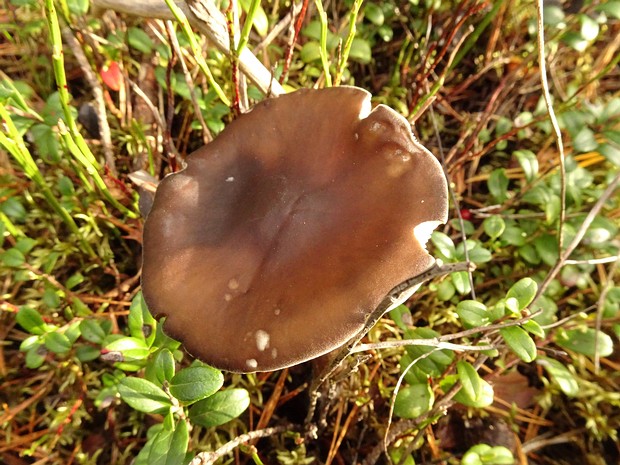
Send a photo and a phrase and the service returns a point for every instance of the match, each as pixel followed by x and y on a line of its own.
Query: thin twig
pixel 293 40
pixel 208 458
pixel 554 122
pixel 206 134
pixel 104 127
pixel 435 342
pixel 171 149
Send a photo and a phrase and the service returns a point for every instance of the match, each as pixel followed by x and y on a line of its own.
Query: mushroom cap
pixel 282 235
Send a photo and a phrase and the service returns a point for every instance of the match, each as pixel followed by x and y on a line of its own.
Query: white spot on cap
pixel 423 231
pixel 274 352
pixel 376 127
pixel 251 363
pixel 262 340
pixel 230 179
pixel 227 297
pixel 276 311
pixel 233 284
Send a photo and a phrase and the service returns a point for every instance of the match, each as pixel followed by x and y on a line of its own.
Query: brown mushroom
pixel 283 234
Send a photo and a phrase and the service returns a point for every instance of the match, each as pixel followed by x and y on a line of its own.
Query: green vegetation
pixel 517 359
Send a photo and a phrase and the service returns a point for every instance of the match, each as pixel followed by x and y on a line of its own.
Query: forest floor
pixel 97 106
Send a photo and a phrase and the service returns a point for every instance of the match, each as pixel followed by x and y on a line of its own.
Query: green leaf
pixel 360 51
pixel 310 52
pixel 13 208
pixel 57 342
pixel 195 382
pixel 560 375
pixel 401 316
pixel 514 235
pixel 141 322
pixel 611 8
pixel 445 290
pixel 413 401
pixel 498 185
pixel 13 257
pixel 529 163
pixel 524 291
pixel 444 245
pixel 87 353
pixel 494 226
pixel 161 368
pixel 152 434
pixel 479 254
pixel 25 244
pixel 46 140
pixel 433 364
pixel 220 408
pixel 576 41
pixel 169 445
pixel 139 40
pixel 178 444
pixel 261 22
pixel 460 279
pixel 92 331
pixel 143 395
pixel 35 356
pixel 472 314
pixel 78 7
pixel 585 141
pixel 552 209
pixel 520 343
pixel 470 379
pixel 533 328
pixel 483 454
pixel 589 28
pixel 583 341
pixel 553 15
pixel 484 396
pixel 374 13
pixel 611 153
pixel 31 321
pixel 130 348
pixel 547 248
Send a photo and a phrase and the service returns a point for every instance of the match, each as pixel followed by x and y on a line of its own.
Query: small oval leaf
pixel 143 395
pixel 220 408
pixel 520 342
pixel 29 319
pixel 560 375
pixel 472 313
pixel 583 341
pixel 412 401
pixel 524 291
pixel 469 378
pixel 195 383
pixel 494 226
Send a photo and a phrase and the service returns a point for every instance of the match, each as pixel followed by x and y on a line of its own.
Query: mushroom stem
pixel 397 296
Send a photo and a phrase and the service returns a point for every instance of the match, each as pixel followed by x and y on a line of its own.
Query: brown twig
pixel 209 458
pixel 293 41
